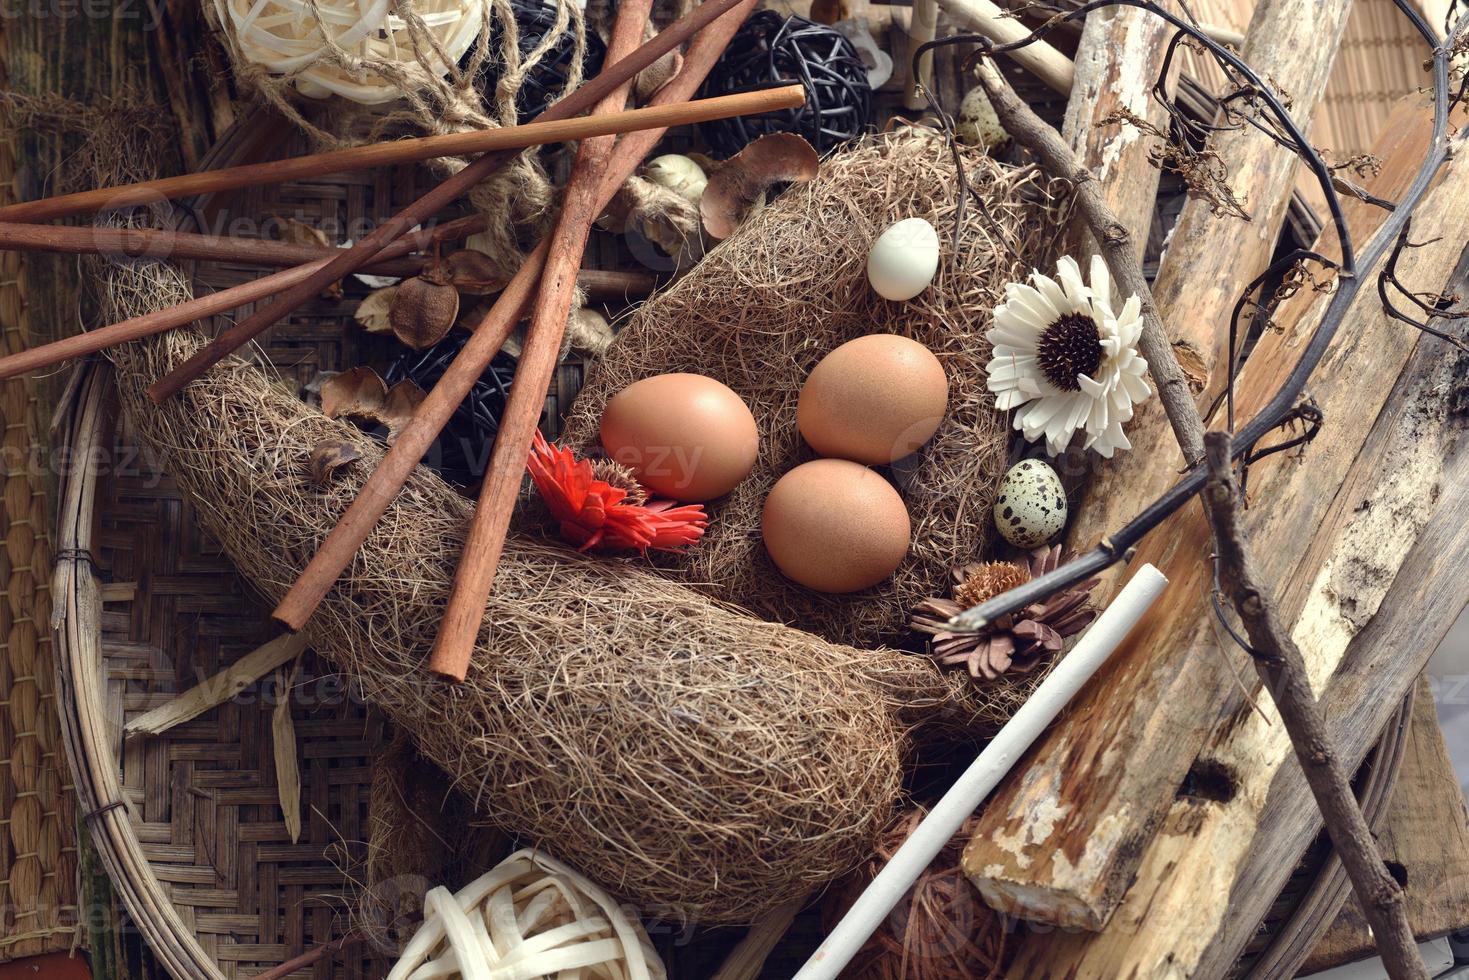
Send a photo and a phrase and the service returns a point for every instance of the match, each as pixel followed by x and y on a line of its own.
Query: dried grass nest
pixel 697 761
pixel 787 288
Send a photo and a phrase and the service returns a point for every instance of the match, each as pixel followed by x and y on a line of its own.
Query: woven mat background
pixel 38 881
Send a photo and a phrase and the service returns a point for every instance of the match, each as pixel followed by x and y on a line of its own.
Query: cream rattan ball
pixel 332 47
pixel 531 916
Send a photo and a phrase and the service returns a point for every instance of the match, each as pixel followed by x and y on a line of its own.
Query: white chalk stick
pixel 970 790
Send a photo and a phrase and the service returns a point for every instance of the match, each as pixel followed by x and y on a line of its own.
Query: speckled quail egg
pixel 977 124
pixel 1031 507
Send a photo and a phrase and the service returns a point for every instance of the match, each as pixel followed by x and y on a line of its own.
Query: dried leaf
pixel 357 393
pixel 328 457
pixel 474 272
pixel 423 311
pixel 402 401
pixel 287 771
pixel 735 188
pixel 220 688
pixel 294 232
pixel 372 312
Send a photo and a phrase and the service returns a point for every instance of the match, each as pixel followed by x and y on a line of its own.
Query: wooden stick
pixel 433 413
pixel 485 542
pixel 1043 61
pixel 430 204
pixel 79 345
pixel 1283 670
pixel 539 133
pixel 921 29
pixel 171 245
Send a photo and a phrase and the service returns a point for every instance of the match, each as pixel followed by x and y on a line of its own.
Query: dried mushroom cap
pixel 328 457
pixel 362 394
pixel 736 187
pixel 423 310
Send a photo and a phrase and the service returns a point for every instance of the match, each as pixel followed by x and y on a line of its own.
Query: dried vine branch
pixel 1283 670
pixel 1351 272
pixel 1035 134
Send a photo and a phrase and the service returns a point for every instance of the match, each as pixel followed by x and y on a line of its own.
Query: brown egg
pixel 684 436
pixel 874 399
pixel 835 526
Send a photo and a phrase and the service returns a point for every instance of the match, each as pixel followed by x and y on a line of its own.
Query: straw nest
pixel 699 762
pixel 790 285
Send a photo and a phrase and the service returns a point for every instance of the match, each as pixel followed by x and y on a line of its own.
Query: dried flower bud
pixel 423 310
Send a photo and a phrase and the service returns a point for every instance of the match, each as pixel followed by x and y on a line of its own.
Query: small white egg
pixel 978 125
pixel 904 259
pixel 1031 507
pixel 678 173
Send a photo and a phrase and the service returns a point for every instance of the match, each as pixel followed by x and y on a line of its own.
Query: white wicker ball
pixel 285 37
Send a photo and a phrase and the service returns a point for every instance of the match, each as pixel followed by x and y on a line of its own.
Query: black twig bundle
pixel 770 51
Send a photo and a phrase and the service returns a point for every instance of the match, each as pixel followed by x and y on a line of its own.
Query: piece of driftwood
pixel 1361 529
pixel 1282 669
pixel 220 688
pixel 1211 258
pixel 1117 63
pixel 1425 841
pixel 1130 772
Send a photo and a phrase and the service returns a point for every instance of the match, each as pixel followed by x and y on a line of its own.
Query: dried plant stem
pixel 1033 133
pixel 1283 671
pixel 377 493
pixel 486 541
pixel 613 77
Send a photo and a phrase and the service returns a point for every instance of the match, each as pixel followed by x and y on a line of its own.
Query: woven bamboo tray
pixel 188 824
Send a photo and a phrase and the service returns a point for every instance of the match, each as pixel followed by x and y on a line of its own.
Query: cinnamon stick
pixel 485 542
pixel 546 129
pixel 611 78
pixel 152 243
pixel 414 440
pixel 79 345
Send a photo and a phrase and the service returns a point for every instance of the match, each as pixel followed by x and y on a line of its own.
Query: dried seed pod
pixel 474 272
pixel 328 457
pixel 739 187
pixel 363 395
pixel 423 310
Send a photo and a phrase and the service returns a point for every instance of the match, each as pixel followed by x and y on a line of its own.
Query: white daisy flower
pixel 1064 361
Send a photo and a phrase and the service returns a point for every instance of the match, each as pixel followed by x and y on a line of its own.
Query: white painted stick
pixel 969 791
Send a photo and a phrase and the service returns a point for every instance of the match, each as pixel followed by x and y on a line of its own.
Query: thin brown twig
pixel 1033 133
pixel 1283 671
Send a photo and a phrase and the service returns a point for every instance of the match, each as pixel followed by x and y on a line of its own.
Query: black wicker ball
pixel 772 50
pixel 463 447
pixel 547 80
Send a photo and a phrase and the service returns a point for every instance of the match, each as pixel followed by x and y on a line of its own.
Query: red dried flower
pixel 596 514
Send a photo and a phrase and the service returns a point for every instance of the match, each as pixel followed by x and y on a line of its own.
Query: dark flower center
pixel 1068 348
